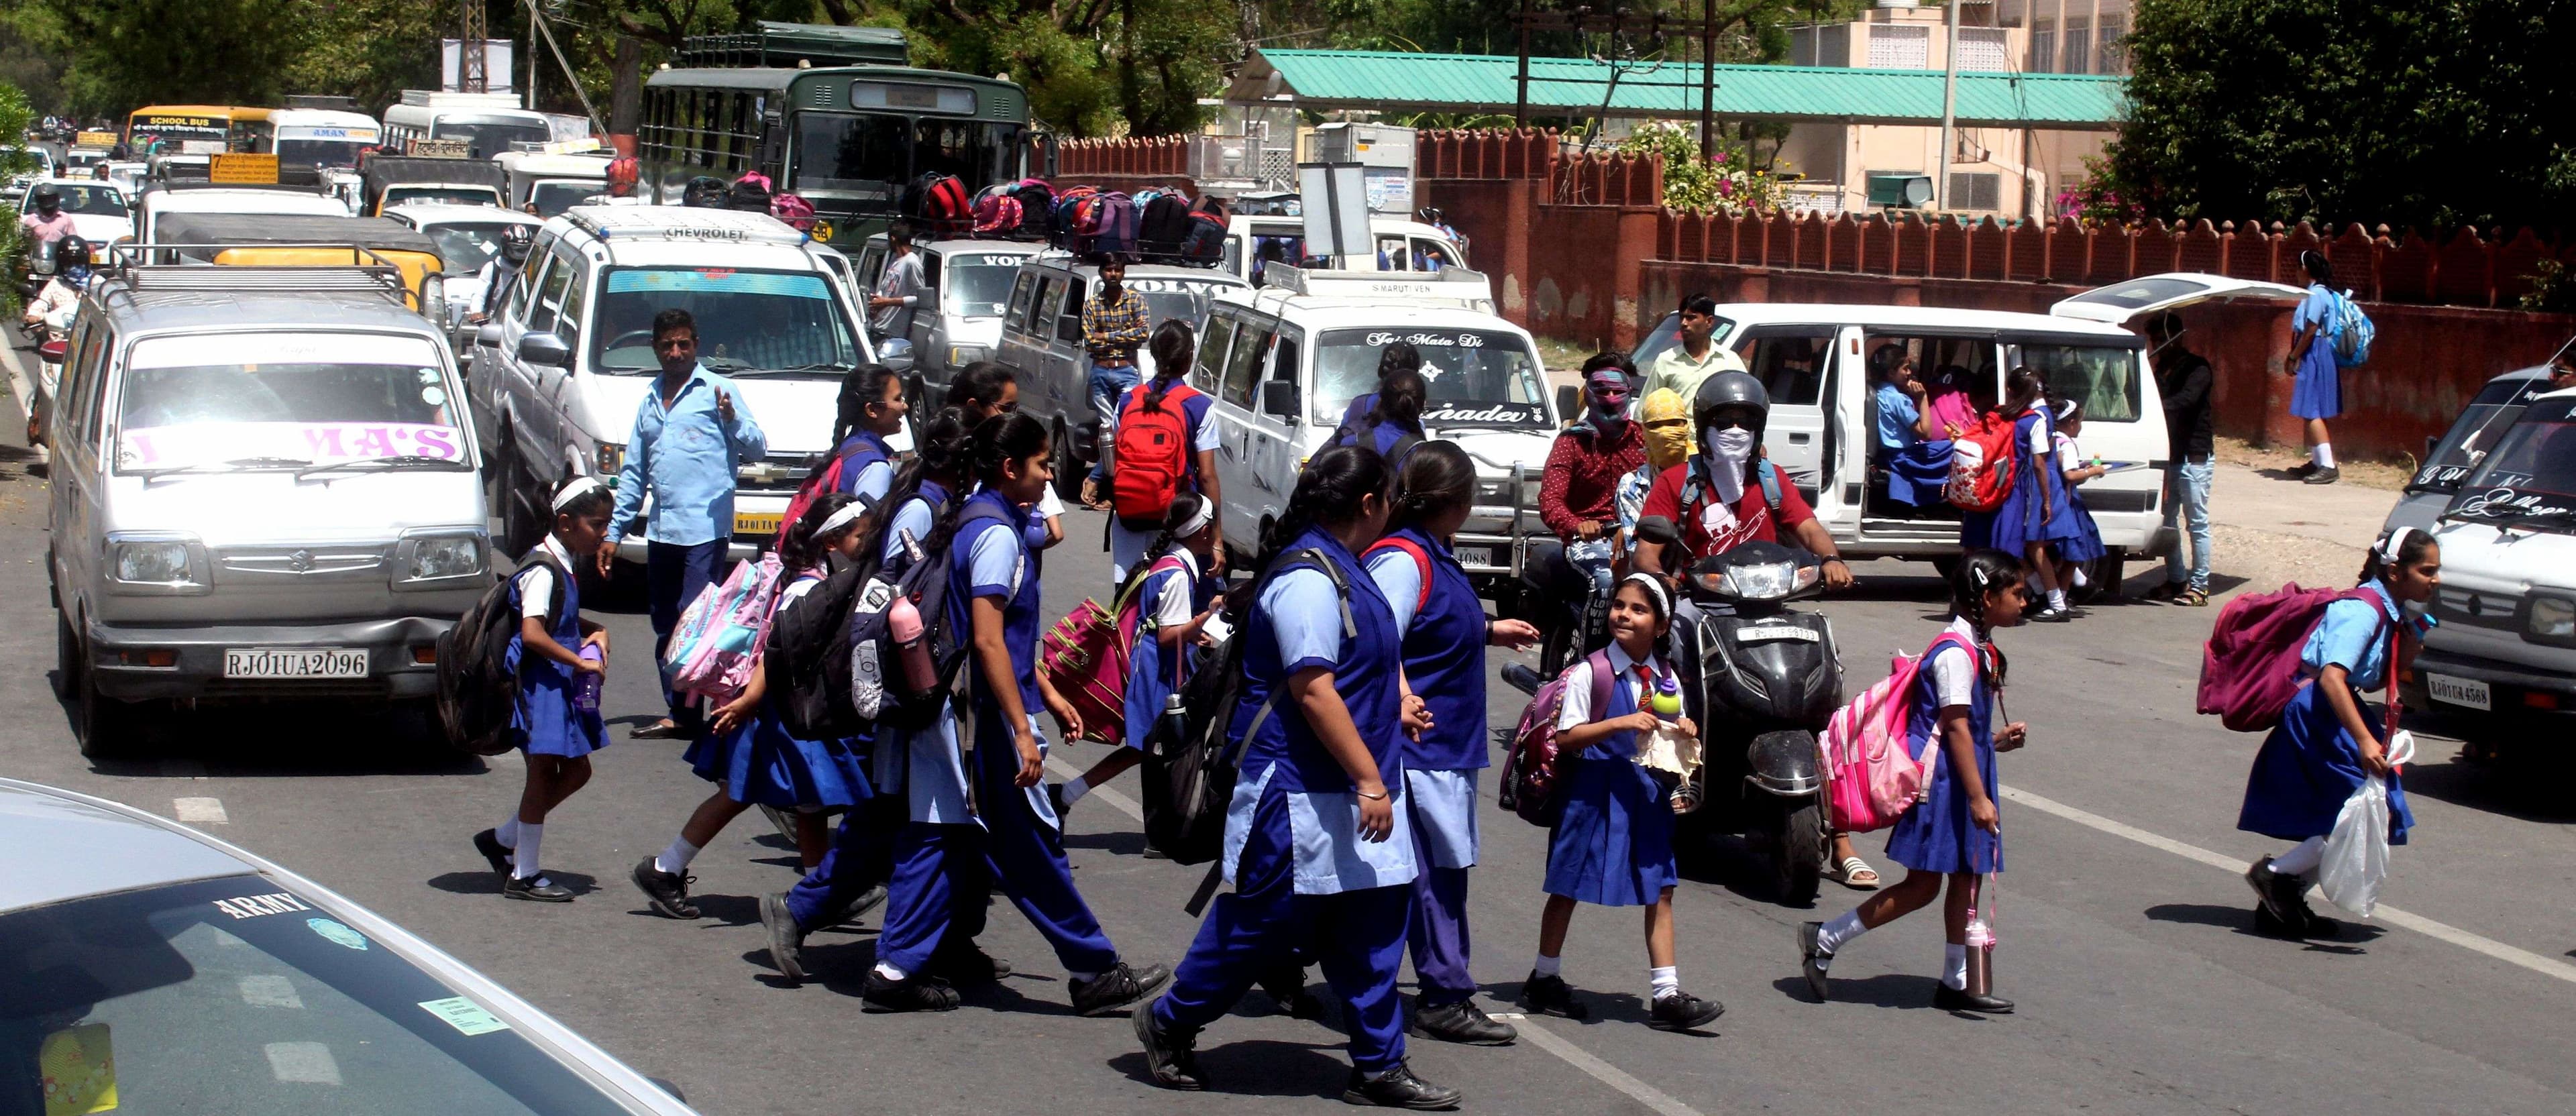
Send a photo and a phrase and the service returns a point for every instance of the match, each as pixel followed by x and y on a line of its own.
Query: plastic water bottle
pixel 1667 700
pixel 903 624
pixel 1981 955
pixel 586 685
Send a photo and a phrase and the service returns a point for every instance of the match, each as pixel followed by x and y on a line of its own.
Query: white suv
pixel 560 370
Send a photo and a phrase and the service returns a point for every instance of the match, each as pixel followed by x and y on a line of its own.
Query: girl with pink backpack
pixel 748 752
pixel 1954 832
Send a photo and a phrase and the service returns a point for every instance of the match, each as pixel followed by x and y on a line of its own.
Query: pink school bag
pixel 1870 773
pixel 718 639
pixel 2250 668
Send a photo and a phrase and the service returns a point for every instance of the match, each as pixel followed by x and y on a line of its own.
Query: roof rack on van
pixel 1449 284
pixel 375 275
pixel 671 222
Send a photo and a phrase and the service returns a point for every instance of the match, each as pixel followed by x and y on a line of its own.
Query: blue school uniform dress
pixel 1302 875
pixel 2310 763
pixel 1175 588
pixel 1937 835
pixel 2086 545
pixel 2318 391
pixel 1008 835
pixel 867 468
pixel 1442 624
pixel 1382 437
pixel 763 764
pixel 545 719
pixel 1612 844
pixel 2030 513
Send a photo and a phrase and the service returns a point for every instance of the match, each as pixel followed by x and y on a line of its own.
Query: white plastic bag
pixel 2356 854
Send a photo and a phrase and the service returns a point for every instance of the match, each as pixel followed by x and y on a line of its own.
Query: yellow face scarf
pixel 1668 428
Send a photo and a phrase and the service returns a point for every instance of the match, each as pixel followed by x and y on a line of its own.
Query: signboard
pixel 94 139
pixel 439 148
pixel 167 122
pixel 241 168
pixel 1335 201
pixel 201 147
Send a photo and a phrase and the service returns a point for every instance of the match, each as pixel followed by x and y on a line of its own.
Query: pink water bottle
pixel 903 622
pixel 585 685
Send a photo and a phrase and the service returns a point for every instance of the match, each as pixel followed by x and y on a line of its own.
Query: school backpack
pixel 1163 225
pixel 795 211
pixel 1205 241
pixel 938 203
pixel 806 656
pixel 1151 455
pixel 478 685
pixel 1981 464
pixel 1530 755
pixel 997 214
pixel 1087 653
pixel 2352 332
pixel 718 639
pixel 819 480
pixel 2250 669
pixel 1871 776
pixel 751 194
pixel 878 688
pixel 1107 226
pixel 1037 207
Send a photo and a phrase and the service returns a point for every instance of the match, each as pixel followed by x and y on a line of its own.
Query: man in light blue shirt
pixel 689 437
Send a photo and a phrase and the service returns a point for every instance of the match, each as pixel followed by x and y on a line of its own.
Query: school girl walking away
pixel 2085 543
pixel 1173 595
pixel 1955 832
pixel 994 822
pixel 1444 631
pixel 1161 442
pixel 872 410
pixel 1612 845
pixel 1392 425
pixel 2034 519
pixel 747 751
pixel 2318 394
pixel 1314 838
pixel 2324 746
pixel 558 729
pixel 1397 356
pixel 987 388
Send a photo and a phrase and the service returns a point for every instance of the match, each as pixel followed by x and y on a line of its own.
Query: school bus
pixel 177 124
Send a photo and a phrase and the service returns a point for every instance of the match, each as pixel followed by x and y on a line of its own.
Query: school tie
pixel 1645 685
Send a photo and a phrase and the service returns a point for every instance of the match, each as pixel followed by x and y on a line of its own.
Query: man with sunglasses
pixel 1579 489
pixel 1730 495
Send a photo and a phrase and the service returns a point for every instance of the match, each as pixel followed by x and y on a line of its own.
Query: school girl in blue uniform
pixel 872 409
pixel 987 388
pixel 1445 632
pixel 557 737
pixel 1316 843
pixel 2086 543
pixel 1612 844
pixel 1955 832
pixel 2317 393
pixel 1173 596
pixel 993 821
pixel 747 751
pixel 2325 745
pixel 1174 348
pixel 1394 421
pixel 2034 519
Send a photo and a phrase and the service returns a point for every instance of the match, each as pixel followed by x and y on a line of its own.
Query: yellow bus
pixel 171 126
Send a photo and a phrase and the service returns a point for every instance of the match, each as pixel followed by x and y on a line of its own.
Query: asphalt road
pixel 2124 933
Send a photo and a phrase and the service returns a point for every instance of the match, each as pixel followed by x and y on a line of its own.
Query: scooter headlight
pixel 1769 581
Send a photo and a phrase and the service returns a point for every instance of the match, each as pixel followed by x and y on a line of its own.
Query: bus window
pixel 862 154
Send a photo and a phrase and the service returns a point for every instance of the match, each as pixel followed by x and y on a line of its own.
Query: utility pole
pixel 1949 107
pixel 472 69
pixel 530 101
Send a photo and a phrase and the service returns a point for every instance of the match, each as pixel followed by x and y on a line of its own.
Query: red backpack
pixel 825 477
pixel 1152 454
pixel 1981 464
pixel 2250 669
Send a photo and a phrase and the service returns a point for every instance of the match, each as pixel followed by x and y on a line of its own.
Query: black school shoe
pixel 1947 998
pixel 1548 995
pixel 918 992
pixel 666 892
pixel 1461 1022
pixel 1171 1056
pixel 1398 1088
pixel 494 852
pixel 786 939
pixel 1813 957
pixel 1117 990
pixel 1682 1011
pixel 2325 476
pixel 535 889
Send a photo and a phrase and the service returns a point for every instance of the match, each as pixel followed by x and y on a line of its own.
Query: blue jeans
pixel 1105 386
pixel 1591 558
pixel 2187 500
pixel 674 575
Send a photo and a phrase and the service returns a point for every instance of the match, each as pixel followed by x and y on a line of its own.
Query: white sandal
pixel 1851 867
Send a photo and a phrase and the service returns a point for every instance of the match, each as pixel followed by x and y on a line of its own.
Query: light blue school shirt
pixel 1896 417
pixel 2353 636
pixel 684 456
pixel 2317 309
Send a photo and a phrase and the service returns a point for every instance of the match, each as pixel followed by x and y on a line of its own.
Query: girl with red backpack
pixel 1173 596
pixel 2324 747
pixel 2034 519
pixel 1160 442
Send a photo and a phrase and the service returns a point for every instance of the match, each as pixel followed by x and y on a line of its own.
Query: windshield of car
pixel 2104 378
pixel 2530 478
pixel 978 286
pixel 553 198
pixel 747 320
pixel 283 400
pixel 438 195
pixel 487 136
pixel 1475 377
pixel 2473 435
pixel 464 249
pixel 320 152
pixel 235 995
pixel 100 201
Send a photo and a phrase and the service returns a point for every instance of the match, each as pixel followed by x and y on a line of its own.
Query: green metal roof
pixel 1394 81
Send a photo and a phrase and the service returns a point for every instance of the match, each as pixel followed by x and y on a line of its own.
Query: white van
pixel 324 138
pixel 1285 361
pixel 1252 243
pixel 488 122
pixel 554 182
pixel 1040 337
pixel 960 322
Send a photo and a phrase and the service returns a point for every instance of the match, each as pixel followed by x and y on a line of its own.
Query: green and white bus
pixel 845 138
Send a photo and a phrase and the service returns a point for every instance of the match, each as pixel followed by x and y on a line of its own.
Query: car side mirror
pixel 1659 530
pixel 1069 328
pixel 488 335
pixel 1279 399
pixel 1569 403
pixel 544 348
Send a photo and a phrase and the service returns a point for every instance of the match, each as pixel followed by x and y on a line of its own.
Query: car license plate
pixel 1475 555
pixel 1767 632
pixel 757 523
pixel 2467 692
pixel 295 662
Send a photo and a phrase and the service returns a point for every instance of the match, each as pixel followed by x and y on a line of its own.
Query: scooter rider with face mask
pixel 60 300
pixel 1729 495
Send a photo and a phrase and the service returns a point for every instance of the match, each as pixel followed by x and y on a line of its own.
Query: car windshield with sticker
pixel 232 995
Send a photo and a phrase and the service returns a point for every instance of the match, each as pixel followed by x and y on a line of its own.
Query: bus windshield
pixel 341 153
pixel 869 156
pixel 487 136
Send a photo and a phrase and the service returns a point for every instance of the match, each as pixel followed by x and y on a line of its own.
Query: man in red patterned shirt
pixel 1578 491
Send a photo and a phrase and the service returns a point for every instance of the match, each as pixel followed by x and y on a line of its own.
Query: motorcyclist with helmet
pixel 55 306
pixel 50 222
pixel 501 273
pixel 1729 494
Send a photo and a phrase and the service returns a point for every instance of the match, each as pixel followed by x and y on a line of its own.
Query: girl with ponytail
pixel 2317 394
pixel 992 612
pixel 747 751
pixel 2035 520
pixel 1317 846
pixel 1162 404
pixel 1954 831
pixel 871 410
pixel 1172 599
pixel 987 388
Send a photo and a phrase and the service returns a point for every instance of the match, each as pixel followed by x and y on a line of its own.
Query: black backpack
pixel 876 686
pixel 1205 242
pixel 807 657
pixel 1037 208
pixel 477 689
pixel 1164 225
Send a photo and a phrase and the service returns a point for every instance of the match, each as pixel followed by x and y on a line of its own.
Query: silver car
pixel 148 967
pixel 263 486
pixel 961 322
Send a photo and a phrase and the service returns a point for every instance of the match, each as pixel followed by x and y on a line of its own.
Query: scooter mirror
pixel 1658 529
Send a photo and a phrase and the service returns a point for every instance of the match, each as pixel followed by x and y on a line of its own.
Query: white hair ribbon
pixel 2388 546
pixel 1654 588
pixel 579 488
pixel 849 513
pixel 2065 408
pixel 1198 520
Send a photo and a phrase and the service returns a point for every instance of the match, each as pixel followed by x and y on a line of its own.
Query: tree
pixel 2409 112
pixel 134 52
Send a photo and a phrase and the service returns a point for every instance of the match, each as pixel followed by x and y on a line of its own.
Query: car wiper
pixel 831 366
pixel 389 461
pixel 235 463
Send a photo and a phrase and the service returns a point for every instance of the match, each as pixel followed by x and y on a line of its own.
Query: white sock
pixel 508 831
pixel 1954 967
pixel 2324 455
pixel 1074 789
pixel 2081 580
pixel 2057 598
pixel 1841 930
pixel 888 971
pixel 675 859
pixel 1663 981
pixel 524 864
pixel 1547 966
pixel 2302 858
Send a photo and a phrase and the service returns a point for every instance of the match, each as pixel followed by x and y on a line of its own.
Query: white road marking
pixel 270 991
pixel 2546 966
pixel 199 811
pixel 1571 1054
pixel 307 1063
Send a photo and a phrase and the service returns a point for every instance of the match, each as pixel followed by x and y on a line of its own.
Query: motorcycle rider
pixel 500 273
pixel 49 222
pixel 1729 495
pixel 60 300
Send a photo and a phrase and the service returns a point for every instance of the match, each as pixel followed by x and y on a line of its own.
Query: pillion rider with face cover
pixel 1729 495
